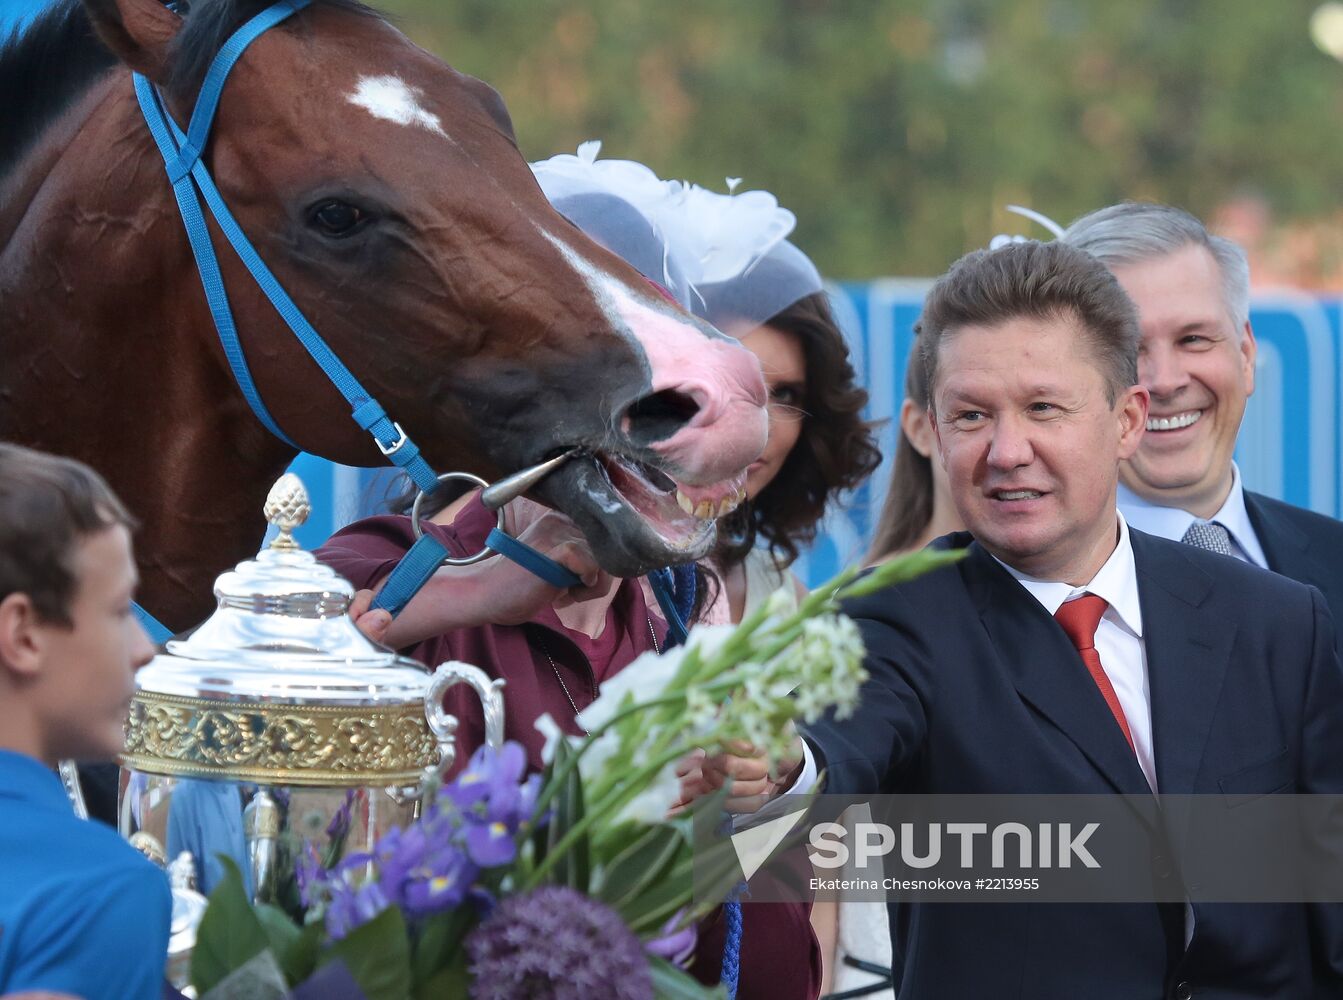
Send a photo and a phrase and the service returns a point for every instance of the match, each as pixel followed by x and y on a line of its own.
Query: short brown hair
pixel 48 505
pixel 1036 281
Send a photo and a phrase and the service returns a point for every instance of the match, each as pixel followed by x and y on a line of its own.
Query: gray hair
pixel 1132 232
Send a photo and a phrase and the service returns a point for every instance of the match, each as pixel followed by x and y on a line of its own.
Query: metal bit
pixel 511 487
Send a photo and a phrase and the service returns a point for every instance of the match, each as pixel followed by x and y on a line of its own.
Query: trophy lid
pixel 281 633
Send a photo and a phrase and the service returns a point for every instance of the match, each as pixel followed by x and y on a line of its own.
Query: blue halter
pixel 191 181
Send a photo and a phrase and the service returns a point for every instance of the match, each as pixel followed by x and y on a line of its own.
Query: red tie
pixel 1079 619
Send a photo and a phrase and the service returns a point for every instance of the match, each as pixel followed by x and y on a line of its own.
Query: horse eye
pixel 337 218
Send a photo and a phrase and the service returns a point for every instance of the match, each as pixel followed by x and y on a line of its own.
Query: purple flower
pixel 352 907
pixel 676 946
pixel 490 844
pixel 433 864
pixel 554 943
pixel 422 869
pixel 439 887
pixel 491 778
pixel 339 826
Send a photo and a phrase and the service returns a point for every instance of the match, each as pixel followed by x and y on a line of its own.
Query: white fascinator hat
pixel 724 256
pixel 612 202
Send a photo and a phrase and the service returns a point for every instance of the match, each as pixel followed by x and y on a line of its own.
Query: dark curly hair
pixel 835 452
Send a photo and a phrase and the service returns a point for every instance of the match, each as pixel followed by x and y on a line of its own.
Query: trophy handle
pixel 70 780
pixel 444 725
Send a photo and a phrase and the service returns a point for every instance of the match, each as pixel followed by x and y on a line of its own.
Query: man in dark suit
pixel 1197 360
pixel 1070 654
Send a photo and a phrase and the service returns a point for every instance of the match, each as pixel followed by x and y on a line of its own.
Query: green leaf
pixel 705 870
pixel 575 868
pixel 450 981
pixel 671 983
pixel 646 913
pixel 377 955
pixel 638 867
pixel 229 936
pixel 439 944
pixel 295 947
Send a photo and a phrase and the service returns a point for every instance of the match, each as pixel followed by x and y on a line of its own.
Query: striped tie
pixel 1209 535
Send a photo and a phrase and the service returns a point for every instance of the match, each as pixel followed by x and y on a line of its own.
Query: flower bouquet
pixel 574 883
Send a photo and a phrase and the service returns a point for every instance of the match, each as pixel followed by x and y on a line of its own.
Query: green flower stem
pixel 567 768
pixel 725 682
pixel 633 787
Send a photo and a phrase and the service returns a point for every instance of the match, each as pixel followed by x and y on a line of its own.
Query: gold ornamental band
pixel 320 745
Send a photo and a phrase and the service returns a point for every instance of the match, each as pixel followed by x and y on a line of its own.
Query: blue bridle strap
pixel 182 160
pixel 674 589
pixel 158 632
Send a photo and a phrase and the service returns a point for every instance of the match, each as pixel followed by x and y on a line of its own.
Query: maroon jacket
pixel 780 959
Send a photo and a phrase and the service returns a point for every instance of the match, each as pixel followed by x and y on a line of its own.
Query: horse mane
pixel 43 69
pixel 47 66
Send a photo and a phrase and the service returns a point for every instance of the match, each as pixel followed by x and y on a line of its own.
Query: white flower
pixel 701 711
pixel 644 680
pixel 781 603
pixel 709 639
pixel 598 757
pixel 651 805
pixel 551 732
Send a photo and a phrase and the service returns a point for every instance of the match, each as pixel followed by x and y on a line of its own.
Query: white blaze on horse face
pixel 729 428
pixel 393 100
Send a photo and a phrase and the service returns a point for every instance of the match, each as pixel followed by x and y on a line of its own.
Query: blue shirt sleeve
pixel 105 939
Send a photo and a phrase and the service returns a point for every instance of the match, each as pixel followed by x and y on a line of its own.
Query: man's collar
pixel 1173 522
pixel 1116 582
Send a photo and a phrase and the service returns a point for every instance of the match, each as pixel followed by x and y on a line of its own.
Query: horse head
pixel 386 192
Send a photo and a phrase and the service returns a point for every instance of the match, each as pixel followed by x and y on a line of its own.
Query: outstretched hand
pixel 746 767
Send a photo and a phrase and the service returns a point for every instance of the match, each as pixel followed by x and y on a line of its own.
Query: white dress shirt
pixel 1172 522
pixel 1118 638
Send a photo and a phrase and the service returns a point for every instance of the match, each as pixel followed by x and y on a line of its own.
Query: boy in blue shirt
pixel 81 912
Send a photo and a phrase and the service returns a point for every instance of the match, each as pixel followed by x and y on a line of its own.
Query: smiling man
pixel 1197 360
pixel 1069 654
pixel 80 910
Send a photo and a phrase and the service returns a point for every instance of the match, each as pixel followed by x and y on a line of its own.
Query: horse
pixel 386 192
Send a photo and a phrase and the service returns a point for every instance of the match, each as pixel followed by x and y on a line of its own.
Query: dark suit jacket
pixel 975 689
pixel 1301 544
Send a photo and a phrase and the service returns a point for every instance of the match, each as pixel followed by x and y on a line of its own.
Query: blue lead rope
pixel 158 632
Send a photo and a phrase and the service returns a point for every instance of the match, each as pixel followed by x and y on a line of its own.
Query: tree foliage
pixel 898 130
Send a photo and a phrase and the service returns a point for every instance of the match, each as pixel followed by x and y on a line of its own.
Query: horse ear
pixel 139 32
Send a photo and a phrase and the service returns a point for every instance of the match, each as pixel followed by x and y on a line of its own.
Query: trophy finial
pixel 287 507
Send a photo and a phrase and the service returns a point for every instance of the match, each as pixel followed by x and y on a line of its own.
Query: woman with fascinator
pixel 752 283
pixel 726 258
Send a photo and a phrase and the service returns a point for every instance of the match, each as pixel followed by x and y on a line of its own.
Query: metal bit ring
pixel 486 551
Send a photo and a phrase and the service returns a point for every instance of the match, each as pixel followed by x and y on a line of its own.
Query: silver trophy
pixel 279 728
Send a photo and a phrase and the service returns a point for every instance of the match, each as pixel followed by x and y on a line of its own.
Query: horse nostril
pixel 659 416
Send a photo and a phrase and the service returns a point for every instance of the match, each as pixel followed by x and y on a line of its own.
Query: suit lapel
pixel 1048 672
pixel 1188 650
pixel 1286 547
